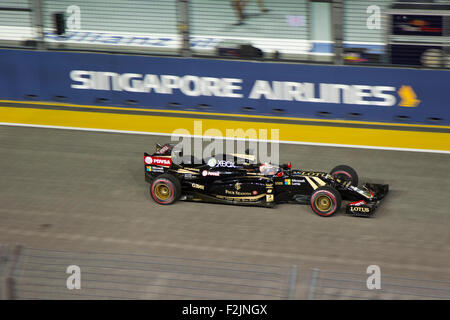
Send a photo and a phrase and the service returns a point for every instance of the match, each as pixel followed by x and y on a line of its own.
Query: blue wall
pixel 46 75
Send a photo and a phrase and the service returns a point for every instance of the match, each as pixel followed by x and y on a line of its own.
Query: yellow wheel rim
pixel 162 191
pixel 323 203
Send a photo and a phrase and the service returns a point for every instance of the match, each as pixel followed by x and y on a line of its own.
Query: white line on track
pixel 226 138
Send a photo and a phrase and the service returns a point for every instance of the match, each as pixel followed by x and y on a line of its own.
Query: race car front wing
pixel 366 208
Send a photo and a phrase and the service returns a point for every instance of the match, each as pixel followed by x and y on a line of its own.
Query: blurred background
pixel 384 32
pixel 78 196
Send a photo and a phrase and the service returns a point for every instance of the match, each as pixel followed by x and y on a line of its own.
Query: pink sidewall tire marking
pixel 333 198
pixel 169 184
pixel 342 172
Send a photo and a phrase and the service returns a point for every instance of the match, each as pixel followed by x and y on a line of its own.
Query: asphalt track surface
pixel 79 190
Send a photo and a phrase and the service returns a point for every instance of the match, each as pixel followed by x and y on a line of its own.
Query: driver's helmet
pixel 268 169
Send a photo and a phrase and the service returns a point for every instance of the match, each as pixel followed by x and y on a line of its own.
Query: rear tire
pixel 165 189
pixel 345 173
pixel 326 201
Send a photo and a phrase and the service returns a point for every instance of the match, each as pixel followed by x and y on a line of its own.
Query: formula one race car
pixel 237 179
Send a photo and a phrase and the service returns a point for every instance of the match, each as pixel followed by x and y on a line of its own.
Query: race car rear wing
pixel 165 149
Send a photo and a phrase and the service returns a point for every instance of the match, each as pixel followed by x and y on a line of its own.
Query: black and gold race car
pixel 237 179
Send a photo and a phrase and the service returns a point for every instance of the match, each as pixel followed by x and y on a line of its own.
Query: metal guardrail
pixel 346 285
pixel 31 273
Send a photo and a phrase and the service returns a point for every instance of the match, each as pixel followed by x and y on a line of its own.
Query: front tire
pixel 326 201
pixel 165 189
pixel 345 173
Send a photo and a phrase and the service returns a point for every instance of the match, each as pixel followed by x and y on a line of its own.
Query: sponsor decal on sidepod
pixel 166 162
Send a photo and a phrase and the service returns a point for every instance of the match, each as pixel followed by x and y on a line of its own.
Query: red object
pixel 158 161
pixel 289 165
pixel 148 160
pixel 357 203
pixel 279 174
